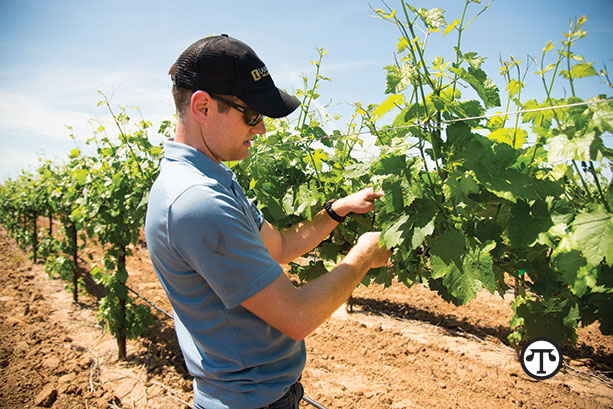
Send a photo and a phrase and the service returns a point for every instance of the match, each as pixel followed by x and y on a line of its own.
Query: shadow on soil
pixel 595 359
pixel 405 311
pixel 163 349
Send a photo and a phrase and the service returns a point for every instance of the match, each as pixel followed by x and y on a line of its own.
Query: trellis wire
pixel 151 303
pixel 448 121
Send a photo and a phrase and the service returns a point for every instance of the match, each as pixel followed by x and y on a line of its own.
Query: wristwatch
pixel 335 216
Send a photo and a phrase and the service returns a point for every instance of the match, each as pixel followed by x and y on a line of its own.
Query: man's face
pixel 228 136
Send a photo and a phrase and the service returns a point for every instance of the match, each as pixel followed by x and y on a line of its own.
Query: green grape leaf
pixel 473 59
pixel 393 78
pixel 459 187
pixel 541 118
pixel 583 70
pixel 593 235
pixel 394 164
pixel 80 176
pixel 451 26
pixel 602 117
pixel 433 18
pixel 514 87
pixel 394 235
pixel 553 318
pixel 487 230
pixel 393 198
pixel 585 148
pixel 420 233
pixel 309 272
pixel 478 80
pixel 384 276
pixel 449 246
pixel 527 222
pixel 568 265
pixel 492 169
pixel 390 103
pixel 403 43
pixel 464 280
pixel 514 137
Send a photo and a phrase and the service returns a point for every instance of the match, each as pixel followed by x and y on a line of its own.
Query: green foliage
pixel 470 204
pixel 483 207
pixel 101 197
pixel 114 202
pixel 130 321
pixel 291 174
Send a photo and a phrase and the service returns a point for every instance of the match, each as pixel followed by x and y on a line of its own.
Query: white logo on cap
pixel 259 73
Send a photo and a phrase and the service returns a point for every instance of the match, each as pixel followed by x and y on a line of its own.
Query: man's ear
pixel 199 106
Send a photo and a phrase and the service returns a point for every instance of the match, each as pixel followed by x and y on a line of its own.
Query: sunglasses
pixel 251 116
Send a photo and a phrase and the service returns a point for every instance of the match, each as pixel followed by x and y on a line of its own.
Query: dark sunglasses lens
pixel 252 117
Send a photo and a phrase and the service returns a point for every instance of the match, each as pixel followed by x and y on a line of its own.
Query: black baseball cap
pixel 225 65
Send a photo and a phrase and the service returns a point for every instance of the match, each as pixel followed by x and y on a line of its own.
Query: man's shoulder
pixel 183 191
pixel 204 199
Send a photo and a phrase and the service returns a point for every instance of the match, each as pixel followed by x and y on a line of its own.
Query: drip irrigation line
pixel 312 402
pixel 447 121
pixel 151 303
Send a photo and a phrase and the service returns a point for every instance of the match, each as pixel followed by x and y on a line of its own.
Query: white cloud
pixel 13 160
pixel 25 116
pixel 34 117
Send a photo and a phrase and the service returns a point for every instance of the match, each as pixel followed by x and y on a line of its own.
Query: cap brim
pixel 273 102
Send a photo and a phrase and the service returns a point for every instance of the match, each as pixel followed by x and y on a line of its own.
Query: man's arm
pixel 285 246
pixel 298 311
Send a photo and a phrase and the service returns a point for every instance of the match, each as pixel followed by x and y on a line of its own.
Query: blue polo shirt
pixel 204 241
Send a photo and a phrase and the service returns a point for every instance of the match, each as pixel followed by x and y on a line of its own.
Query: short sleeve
pixel 257 215
pixel 208 229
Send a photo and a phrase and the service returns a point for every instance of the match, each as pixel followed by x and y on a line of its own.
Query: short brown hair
pixel 183 96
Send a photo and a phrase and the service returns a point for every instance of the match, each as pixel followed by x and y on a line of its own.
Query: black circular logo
pixel 541 358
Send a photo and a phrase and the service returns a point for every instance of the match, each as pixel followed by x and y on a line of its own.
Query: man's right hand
pixel 369 243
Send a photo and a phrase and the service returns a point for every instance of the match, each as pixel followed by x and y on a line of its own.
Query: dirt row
pixel 399 348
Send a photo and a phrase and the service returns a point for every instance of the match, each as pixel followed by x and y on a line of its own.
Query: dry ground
pixel 399 348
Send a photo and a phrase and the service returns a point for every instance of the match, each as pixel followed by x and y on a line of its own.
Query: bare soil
pixel 397 348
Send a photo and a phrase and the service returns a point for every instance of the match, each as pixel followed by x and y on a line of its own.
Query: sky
pixel 56 55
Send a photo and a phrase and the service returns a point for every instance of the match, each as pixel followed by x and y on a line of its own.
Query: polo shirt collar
pixel 185 153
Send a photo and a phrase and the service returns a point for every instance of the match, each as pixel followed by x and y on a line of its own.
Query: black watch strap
pixel 335 216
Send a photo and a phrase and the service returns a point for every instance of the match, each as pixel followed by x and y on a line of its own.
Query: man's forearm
pixel 298 311
pixel 295 241
pixel 305 236
pixel 324 295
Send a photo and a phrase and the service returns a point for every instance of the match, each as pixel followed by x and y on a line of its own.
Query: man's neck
pixel 190 135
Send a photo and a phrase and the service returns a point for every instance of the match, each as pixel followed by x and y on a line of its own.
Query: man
pixel 239 320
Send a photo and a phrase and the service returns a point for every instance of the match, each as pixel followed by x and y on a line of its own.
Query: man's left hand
pixel 359 202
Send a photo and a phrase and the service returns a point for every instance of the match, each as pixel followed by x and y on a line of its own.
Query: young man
pixel 239 320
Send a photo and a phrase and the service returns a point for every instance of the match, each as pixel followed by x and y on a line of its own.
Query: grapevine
pixel 102 197
pixel 473 200
pixel 469 204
